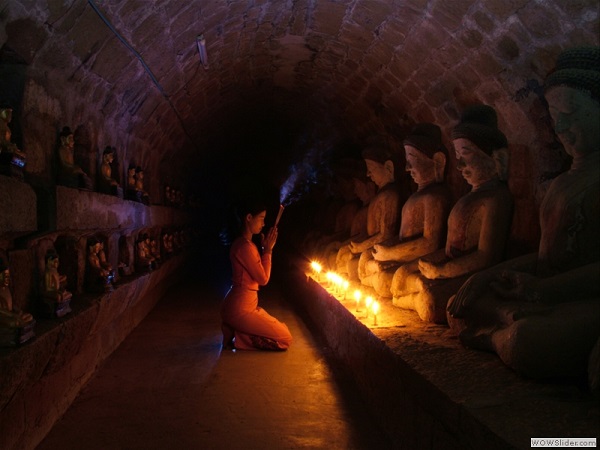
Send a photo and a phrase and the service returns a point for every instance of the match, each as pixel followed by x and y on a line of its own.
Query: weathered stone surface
pixel 18 203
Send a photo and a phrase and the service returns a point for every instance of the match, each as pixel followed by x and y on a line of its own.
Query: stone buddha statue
pixel 342 187
pixel 107 184
pixel 142 195
pixel 144 259
pixel 383 213
pixel 16 327
pixel 478 224
pixel 69 173
pixel 365 190
pixel 55 294
pixel 424 215
pixel 541 312
pixel 12 160
pixel 98 278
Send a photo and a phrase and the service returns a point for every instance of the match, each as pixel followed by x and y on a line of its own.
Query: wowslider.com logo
pixel 563 442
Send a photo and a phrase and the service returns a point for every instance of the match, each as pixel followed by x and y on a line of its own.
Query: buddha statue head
pixel 572 91
pixel 425 154
pixel 108 155
pixel 481 148
pixel 67 138
pixel 379 160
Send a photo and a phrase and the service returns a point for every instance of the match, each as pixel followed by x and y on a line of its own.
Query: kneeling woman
pixel 246 325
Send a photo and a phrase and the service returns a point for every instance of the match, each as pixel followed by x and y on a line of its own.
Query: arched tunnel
pixel 221 99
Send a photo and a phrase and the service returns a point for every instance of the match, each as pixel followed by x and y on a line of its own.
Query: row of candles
pixel 339 287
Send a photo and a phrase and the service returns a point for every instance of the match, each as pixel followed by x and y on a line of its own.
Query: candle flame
pixel 316 266
pixel 357 295
pixel 368 301
pixel 375 307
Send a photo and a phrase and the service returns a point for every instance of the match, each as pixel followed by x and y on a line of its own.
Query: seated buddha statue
pixel 141 194
pixel 16 326
pixel 107 184
pixel 98 278
pixel 144 259
pixel 541 312
pixel 365 190
pixel 424 215
pixel 478 224
pixel 69 173
pixel 12 160
pixel 342 186
pixel 55 294
pixel 383 211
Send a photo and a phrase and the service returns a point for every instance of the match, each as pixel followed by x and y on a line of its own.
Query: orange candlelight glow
pixel 357 296
pixel 375 311
pixel 368 302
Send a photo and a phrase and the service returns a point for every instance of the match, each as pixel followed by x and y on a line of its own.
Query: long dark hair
pixel 234 220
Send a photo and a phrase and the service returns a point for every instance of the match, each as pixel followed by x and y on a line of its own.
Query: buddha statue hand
pixel 380 253
pixel 513 285
pixel 429 269
pixel 474 288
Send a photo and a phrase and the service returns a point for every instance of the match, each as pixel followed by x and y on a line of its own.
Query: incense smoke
pixel 302 176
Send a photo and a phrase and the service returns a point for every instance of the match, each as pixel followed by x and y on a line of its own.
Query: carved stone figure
pixel 541 313
pixel 424 215
pixel 69 173
pixel 12 160
pixel 478 225
pixel 104 262
pixel 383 213
pixel 144 259
pixel 142 195
pixel 55 295
pixel 342 187
pixel 107 184
pixel 98 279
pixel 365 190
pixel 16 327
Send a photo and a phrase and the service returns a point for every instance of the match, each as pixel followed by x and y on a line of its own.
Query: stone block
pixel 18 207
pixel 86 210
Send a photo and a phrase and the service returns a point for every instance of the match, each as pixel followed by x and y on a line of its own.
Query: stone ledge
pixel 428 391
pixel 39 380
pixel 87 210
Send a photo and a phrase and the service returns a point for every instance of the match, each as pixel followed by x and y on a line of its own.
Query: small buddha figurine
pixel 55 294
pixel 142 195
pixel 168 200
pixel 107 183
pixel 424 215
pixel 383 213
pixel 98 279
pixel 16 327
pixel 69 173
pixel 478 225
pixel 155 251
pixel 130 193
pixel 144 261
pixel 541 312
pixel 12 160
pixel 104 262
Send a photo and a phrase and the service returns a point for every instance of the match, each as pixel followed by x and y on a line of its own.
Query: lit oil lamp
pixel 368 302
pixel 375 311
pixel 357 297
pixel 316 270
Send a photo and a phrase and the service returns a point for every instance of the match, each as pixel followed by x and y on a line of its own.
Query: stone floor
pixel 169 386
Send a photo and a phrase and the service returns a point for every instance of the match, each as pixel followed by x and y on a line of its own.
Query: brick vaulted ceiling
pixel 282 74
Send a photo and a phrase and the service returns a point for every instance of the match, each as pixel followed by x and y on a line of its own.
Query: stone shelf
pixel 84 210
pixel 428 391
